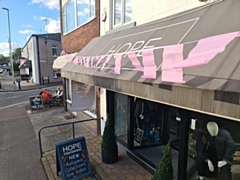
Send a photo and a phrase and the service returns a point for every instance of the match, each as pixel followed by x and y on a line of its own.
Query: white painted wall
pixel 35 62
pixel 30 52
pixel 150 10
pixel 103 110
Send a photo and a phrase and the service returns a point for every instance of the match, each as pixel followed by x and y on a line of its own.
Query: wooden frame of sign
pixel 36 103
pixel 72 159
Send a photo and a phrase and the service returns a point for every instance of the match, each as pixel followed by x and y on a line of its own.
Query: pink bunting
pixel 206 50
pixel 99 59
pixel 149 65
pixel 135 61
pixel 87 62
pixel 104 64
pixel 80 60
pixel 118 64
pixel 172 55
pixel 92 62
pixel 74 59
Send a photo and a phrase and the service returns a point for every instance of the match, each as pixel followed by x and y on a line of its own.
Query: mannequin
pixel 215 151
pixel 212 128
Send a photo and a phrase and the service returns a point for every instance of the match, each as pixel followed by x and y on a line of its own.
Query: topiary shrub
pixel 109 144
pixel 164 170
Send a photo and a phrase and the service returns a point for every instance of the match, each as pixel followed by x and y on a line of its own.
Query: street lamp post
pixel 10 44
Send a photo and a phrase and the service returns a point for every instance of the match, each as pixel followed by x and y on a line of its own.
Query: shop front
pixel 145 126
pixel 164 81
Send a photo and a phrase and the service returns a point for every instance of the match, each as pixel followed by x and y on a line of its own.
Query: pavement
pixel 124 169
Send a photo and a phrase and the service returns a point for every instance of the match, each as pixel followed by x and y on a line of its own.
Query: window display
pixel 148 119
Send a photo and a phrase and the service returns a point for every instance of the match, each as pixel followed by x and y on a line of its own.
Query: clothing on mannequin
pixel 139 112
pixel 215 151
pixel 141 115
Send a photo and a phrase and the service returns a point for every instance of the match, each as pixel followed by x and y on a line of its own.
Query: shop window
pixel 122 11
pixel 77 13
pixel 55 71
pixel 148 121
pixel 54 51
pixel 121 116
pixel 68 90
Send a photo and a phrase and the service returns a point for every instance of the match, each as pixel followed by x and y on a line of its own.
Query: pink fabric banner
pixel 87 62
pixel 172 55
pixel 206 50
pixel 99 59
pixel 149 70
pixel 84 59
pixel 74 60
pixel 117 64
pixel 80 60
pixel 92 62
pixel 104 64
pixel 135 61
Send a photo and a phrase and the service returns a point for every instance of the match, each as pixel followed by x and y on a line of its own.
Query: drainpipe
pixel 38 57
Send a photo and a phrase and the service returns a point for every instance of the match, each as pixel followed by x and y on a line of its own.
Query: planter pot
pixel 110 156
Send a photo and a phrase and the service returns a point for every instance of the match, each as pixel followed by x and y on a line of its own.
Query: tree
pixel 16 53
pixel 15 66
pixel 164 170
pixel 3 59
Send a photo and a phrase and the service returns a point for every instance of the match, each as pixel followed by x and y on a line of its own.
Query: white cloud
pixel 53 26
pixel 4 48
pixel 27 31
pixel 86 10
pixel 82 1
pixel 80 13
pixel 50 4
pixel 27 25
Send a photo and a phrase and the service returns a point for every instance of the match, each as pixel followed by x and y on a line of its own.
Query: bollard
pixel 0 85
pixel 19 86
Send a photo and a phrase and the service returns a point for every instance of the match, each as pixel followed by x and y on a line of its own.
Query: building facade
pixel 165 69
pixel 42 50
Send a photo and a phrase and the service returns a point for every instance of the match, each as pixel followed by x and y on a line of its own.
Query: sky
pixel 27 17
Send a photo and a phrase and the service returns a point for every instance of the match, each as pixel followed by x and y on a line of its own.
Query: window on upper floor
pixel 122 12
pixel 54 51
pixel 77 13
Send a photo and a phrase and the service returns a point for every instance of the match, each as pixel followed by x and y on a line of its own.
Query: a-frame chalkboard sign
pixel 36 103
pixel 72 159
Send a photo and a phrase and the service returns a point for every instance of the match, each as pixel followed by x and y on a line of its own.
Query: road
pixel 19 151
pixel 17 97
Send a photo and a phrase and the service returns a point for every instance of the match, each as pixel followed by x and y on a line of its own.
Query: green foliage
pixel 15 66
pixel 108 139
pixel 16 53
pixel 3 59
pixel 164 170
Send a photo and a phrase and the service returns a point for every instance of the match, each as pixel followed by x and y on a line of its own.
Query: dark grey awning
pixel 222 73
pixel 26 64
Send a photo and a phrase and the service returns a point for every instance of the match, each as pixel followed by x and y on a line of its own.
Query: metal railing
pixel 62 124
